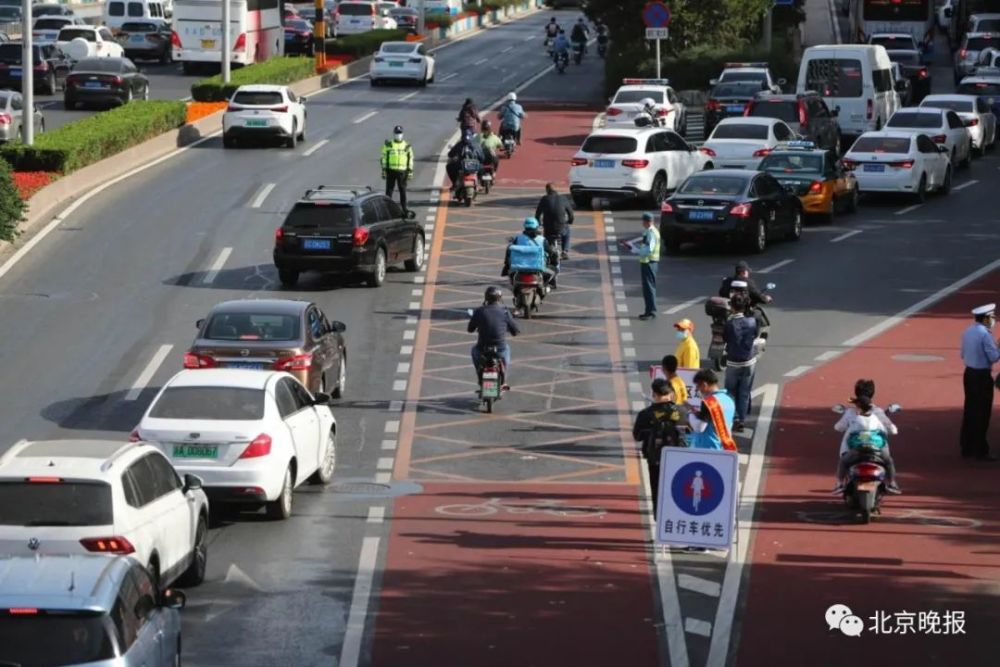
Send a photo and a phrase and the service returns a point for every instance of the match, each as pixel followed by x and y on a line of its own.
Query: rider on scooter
pixel 492 322
pixel 743 274
pixel 551 30
pixel 465 149
pixel 511 114
pixel 580 35
pixel 490 144
pixel 532 235
pixel 865 425
pixel 560 47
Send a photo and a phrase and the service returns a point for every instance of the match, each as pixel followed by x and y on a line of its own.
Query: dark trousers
pixel 739 384
pixel 565 239
pixel 978 384
pixel 648 272
pixel 392 179
pixel 654 481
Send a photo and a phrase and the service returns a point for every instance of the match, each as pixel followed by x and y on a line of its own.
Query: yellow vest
pixel 651 242
pixel 397 156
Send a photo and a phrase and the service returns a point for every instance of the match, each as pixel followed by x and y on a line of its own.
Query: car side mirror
pixel 199 324
pixel 338 327
pixel 173 599
pixel 411 215
pixel 319 398
pixel 469 311
pixel 712 82
pixel 781 82
pixel 191 482
pixel 900 86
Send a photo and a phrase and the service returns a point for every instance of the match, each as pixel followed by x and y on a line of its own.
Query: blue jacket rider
pixel 511 114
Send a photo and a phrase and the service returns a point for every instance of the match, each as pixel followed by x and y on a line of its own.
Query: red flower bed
pixel 30 182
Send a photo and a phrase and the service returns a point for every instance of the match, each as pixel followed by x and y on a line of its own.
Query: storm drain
pixel 362 488
pixel 351 489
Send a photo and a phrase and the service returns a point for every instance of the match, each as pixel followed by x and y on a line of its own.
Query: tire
pixel 338 391
pixel 324 473
pixel 581 202
pixel 967 161
pixel 154 572
pixel 945 188
pixel 374 83
pixel 281 509
pixel 195 573
pixel 470 194
pixel 291 141
pixel 488 404
pixel 796 233
pixel 69 103
pixel 866 504
pixel 417 262
pixel 920 196
pixel 145 94
pixel 377 276
pixel 673 246
pixel 486 187
pixel 187 68
pixel 288 277
pixel 852 202
pixel 165 57
pixel 758 243
pixel 658 191
pixel 50 84
pixel 302 134
pixel 128 97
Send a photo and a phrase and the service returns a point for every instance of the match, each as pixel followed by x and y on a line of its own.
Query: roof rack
pixel 353 189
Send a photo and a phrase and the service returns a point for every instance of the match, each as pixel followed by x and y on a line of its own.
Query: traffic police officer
pixel 397 164
pixel 980 353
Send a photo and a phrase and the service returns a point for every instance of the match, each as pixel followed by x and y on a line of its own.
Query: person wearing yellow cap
pixel 687 352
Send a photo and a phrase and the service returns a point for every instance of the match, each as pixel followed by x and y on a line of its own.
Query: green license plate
pixel 256 123
pixel 395 64
pixel 195 452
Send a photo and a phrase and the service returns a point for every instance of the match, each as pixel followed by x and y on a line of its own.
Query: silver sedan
pixel 12 116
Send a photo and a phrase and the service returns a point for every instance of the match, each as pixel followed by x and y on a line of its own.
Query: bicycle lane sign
pixel 698 490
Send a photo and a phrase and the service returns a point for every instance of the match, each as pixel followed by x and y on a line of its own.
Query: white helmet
pixel 647 102
pixel 512 97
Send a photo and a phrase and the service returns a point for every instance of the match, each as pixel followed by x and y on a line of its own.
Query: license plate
pixel 875 167
pixel 15 72
pixel 491 375
pixel 316 244
pixel 246 365
pixel 93 84
pixel 395 64
pixel 256 123
pixel 604 164
pixel 208 43
pixel 490 389
pixel 136 39
pixel 734 108
pixel 487 177
pixel 196 452
pixel 701 215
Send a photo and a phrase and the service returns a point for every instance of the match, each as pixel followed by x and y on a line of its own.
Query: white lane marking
pixel 403 367
pixel 619 296
pixel 389 444
pixel 920 305
pixel 414 305
pixel 964 185
pixel 509 48
pixel 318 145
pixel 419 279
pixel 622 308
pixel 412 319
pixel 408 96
pixel 213 271
pixel 350 652
pixel 638 406
pixel 617 282
pixel 395 406
pixel 908 209
pixel 528 39
pixel 406 350
pixel 828 355
pixel 383 477
pixel 670 602
pixel 409 335
pixel 148 372
pixel 635 387
pixel 683 306
pixel 629 351
pixel 848 235
pixel 384 463
pixel 450 76
pixel 399 385
pixel 698 627
pixel 376 514
pixel 392 426
pixel 699 585
pixel 262 194
pixel 797 371
pixel 612 237
pixel 624 322
pixel 361 119
pixel 719 649
pixel 480 61
pixel 614 259
pixel 627 337
pixel 775 267
pixel 417 291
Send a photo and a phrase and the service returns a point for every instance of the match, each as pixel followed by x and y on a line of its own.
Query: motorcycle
pixel 864 486
pixel 486 177
pixel 509 141
pixel 578 52
pixel 561 60
pixel 493 378
pixel 717 308
pixel 466 184
pixel 529 291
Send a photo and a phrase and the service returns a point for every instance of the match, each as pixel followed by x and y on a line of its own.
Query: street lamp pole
pixel 27 77
pixel 227 46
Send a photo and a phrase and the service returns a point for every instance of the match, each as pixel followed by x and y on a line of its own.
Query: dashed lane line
pixel 698 627
pixel 392 426
pixel 213 271
pixel 262 194
pixel 776 266
pixel 350 653
pixel 828 355
pixel 479 62
pixel 318 145
pixel 384 463
pixel 148 372
pixel 848 235
pixel 450 76
pixel 967 184
pixel 376 514
pixel 908 209
pixel 361 119
pixel 408 96
pixel 396 406
pixel 383 477
pixel 389 445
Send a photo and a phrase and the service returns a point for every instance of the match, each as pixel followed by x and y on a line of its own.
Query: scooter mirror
pixel 839 409
pixel 770 286
pixel 469 311
pixel 895 407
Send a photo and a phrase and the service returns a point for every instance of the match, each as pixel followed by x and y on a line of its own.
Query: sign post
pixel 698 493
pixel 656 16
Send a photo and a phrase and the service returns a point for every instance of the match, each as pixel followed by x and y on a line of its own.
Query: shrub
pixel 11 204
pixel 94 138
pixel 441 20
pixel 274 70
pixel 30 182
pixel 365 43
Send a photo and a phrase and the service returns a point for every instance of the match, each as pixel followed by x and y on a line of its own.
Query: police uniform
pixel 397 165
pixel 979 353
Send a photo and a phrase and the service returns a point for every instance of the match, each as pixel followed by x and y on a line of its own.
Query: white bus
pixel 915 17
pixel 256 31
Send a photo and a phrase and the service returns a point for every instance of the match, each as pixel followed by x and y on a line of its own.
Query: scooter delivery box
pixel 527 258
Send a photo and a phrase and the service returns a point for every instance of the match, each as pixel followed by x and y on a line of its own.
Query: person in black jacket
pixel 556 215
pixel 740 335
pixel 656 427
pixel 465 149
pixel 492 322
pixel 743 273
pixel 468 116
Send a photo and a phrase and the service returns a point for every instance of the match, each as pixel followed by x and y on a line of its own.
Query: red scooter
pixel 864 486
pixel 466 185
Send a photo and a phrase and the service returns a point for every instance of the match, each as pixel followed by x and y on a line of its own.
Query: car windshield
pixel 786 110
pixel 54 639
pixel 332 216
pixel 739 131
pixel 705 184
pixel 954 105
pixel 252 326
pixel 50 24
pixel 64 503
pixel 988 25
pixel 633 96
pixel 979 88
pixel 980 43
pixel 111 65
pixel 737 89
pixel 609 145
pixel 881 145
pixel 904 57
pixel 924 121
pixel 140 27
pixel 355 9
pixel 397 48
pixel 296 24
pixel 10 52
pixel 896 42
pixel 785 163
pixel 229 403
pixel 68 34
pixel 835 77
pixel 734 75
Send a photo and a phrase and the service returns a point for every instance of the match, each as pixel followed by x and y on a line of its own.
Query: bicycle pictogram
pixel 550 506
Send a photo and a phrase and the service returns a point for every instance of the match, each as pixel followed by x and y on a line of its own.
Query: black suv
pixel 344 230
pixel 806 113
pixel 51 67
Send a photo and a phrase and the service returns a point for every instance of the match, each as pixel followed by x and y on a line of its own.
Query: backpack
pixel 578 34
pixel 663 434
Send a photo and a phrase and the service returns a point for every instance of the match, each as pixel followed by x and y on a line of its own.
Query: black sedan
pixel 731 206
pixel 105 80
pixel 299 37
pixel 915 71
pixel 728 100
pixel 51 67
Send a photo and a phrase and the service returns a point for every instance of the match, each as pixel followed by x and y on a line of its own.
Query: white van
pixel 117 12
pixel 857 78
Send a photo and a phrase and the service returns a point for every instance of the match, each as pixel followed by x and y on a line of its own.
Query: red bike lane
pixel 933 551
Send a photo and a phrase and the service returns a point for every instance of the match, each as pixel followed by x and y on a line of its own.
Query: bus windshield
pixel 896 10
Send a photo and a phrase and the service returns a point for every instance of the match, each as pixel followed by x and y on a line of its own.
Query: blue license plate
pixel 135 39
pixel 93 84
pixel 604 164
pixel 701 215
pixel 875 167
pixel 316 244
pixel 734 108
pixel 15 72
pixel 248 365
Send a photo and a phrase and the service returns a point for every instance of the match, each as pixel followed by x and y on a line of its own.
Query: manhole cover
pixel 920 358
pixel 362 488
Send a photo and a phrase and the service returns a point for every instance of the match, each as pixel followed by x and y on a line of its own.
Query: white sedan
pixel 625 105
pixel 641 163
pixel 974 112
pixel 943 126
pixel 900 162
pixel 251 436
pixel 402 61
pixel 264 112
pixel 742 142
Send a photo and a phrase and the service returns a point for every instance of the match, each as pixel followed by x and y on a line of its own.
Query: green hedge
pixel 94 138
pixel 11 206
pixel 365 43
pixel 274 71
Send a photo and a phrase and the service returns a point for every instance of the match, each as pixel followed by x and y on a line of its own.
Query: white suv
pixel 79 496
pixel 264 112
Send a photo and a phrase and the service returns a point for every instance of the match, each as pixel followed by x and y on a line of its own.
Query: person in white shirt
pixel 865 425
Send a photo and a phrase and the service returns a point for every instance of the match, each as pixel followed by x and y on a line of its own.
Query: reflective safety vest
pixel 650 246
pixel 397 156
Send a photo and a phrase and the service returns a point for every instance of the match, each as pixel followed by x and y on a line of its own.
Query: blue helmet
pixel 530 223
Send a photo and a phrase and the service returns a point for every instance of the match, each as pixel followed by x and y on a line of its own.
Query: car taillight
pixel 972 122
pixel 742 210
pixel 923 74
pixel 41 67
pixel 662 112
pixel 614 111
pixel 747 108
pixel 259 446
pixel 939 138
pixel 762 152
pixel 282 109
pixel 802 114
pixel 134 436
pixel 44 480
pixel 903 164
pixel 71 81
pixel 117 80
pixel 815 188
pixel 5 119
pixel 578 161
pixel 704 150
pixel 849 165
pixel 666 207
pixel 193 360
pixel 869 110
pixel 527 278
pixel 241 42
pixel 712 105
pixel 635 164
pixel 175 39
pixel 108 545
pixel 279 236
pixel 22 611
pixel 360 236
pixel 300 362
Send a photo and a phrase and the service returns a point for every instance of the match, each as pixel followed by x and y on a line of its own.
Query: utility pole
pixel 768 27
pixel 420 18
pixel 27 77
pixel 227 42
pixel 319 34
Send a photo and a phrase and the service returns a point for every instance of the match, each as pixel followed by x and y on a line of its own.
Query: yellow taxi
pixel 823 186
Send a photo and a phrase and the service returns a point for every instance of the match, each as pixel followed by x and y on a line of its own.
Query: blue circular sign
pixel 656 15
pixel 697 488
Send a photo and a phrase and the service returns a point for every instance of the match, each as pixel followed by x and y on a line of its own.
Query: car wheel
pixel 946 185
pixel 377 276
pixel 338 391
pixel 69 104
pixel 581 202
pixel 288 278
pixel 920 196
pixel 165 57
pixel 324 473
pixel 292 138
pixel 758 243
pixel 50 84
pixel 227 141
pixel 796 232
pixel 374 82
pixel 672 245
pixel 967 161
pixel 281 508
pixel 659 190
pixel 417 262
pixel 852 201
pixel 954 158
pixel 145 93
pixel 128 96
pixel 154 572
pixel 195 573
